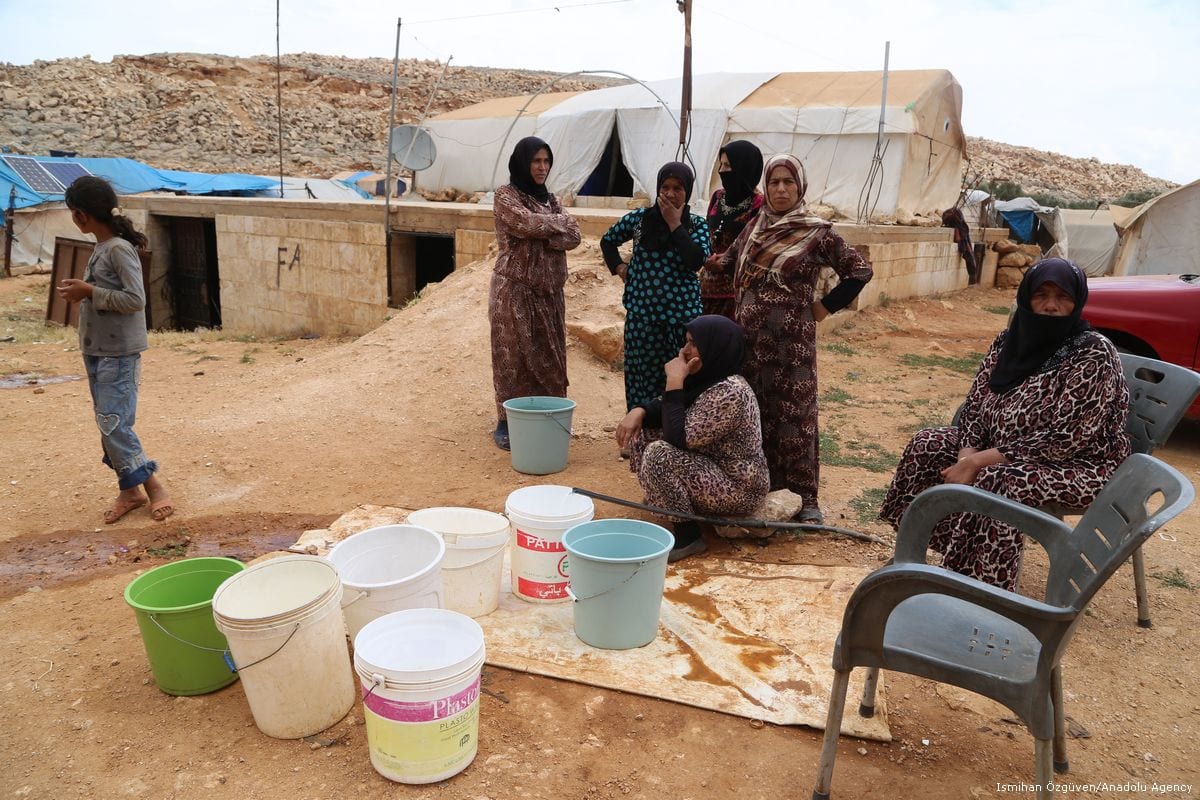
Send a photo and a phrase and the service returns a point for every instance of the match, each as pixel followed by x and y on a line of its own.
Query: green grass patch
pixel 1175 579
pixel 840 348
pixel 176 550
pixel 968 364
pixel 866 505
pixel 862 455
pixel 248 357
pixel 1003 311
pixel 836 395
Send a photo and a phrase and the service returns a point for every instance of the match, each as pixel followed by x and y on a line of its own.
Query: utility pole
pixel 685 102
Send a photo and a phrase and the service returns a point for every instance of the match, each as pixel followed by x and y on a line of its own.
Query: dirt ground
pixel 261 440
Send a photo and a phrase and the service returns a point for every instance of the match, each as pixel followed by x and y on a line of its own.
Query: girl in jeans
pixel 112 335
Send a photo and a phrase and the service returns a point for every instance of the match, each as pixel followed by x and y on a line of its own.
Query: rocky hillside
pixel 218 114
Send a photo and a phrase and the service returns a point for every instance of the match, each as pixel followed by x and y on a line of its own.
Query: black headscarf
pixel 722 346
pixel 746 163
pixel 1033 338
pixel 519 174
pixel 655 234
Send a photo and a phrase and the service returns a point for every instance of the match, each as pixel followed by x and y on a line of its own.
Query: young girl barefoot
pixel 112 335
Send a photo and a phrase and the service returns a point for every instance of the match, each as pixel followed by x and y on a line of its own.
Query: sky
pixel 1118 81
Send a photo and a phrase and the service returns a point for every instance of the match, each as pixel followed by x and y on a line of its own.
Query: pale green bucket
pixel 539 433
pixel 173 605
pixel 618 568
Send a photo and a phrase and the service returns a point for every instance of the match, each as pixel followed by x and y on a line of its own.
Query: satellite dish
pixel 412 147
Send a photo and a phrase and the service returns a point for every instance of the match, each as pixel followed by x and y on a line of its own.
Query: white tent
pixel 1091 239
pixel 1161 236
pixel 830 120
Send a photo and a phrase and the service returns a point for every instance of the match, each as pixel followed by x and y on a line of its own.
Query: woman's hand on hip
pixel 630 424
pixel 819 311
pixel 623 272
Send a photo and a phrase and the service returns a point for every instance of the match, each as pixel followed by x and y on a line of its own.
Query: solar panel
pixel 34 174
pixel 65 172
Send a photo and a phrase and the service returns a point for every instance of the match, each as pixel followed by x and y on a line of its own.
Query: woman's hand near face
pixel 671 214
pixel 630 424
pixel 677 369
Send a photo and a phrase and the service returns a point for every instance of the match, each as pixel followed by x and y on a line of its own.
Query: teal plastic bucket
pixel 173 605
pixel 618 567
pixel 539 433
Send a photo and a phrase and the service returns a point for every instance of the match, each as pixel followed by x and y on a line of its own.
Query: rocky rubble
pixel 215 113
pixel 219 114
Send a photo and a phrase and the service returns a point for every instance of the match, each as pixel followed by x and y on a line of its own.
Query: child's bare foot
pixel 122 506
pixel 161 506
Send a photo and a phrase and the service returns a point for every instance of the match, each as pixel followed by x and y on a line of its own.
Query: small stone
pixel 862 751
pixel 925 742
pixel 639 717
pixel 114 662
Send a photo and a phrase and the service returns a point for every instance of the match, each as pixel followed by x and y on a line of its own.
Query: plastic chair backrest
pixel 1115 524
pixel 1159 395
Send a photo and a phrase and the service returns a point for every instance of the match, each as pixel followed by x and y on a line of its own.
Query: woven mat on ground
pixel 743 638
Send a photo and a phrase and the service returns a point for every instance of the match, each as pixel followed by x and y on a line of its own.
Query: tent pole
pixel 279 96
pixel 387 183
pixel 685 102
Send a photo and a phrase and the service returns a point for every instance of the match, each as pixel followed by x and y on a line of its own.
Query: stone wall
pixel 909 269
pixel 287 277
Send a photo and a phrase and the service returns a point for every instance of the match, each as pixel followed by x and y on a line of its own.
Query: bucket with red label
pixel 539 516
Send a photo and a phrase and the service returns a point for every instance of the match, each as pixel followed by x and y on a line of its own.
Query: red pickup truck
pixel 1150 315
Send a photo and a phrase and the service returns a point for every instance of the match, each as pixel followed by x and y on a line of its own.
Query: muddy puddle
pixel 60 557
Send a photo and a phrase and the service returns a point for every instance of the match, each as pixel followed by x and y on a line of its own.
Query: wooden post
pixel 10 217
pixel 387 182
pixel 685 102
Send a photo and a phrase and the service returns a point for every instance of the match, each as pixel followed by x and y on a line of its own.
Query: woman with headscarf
pixel 732 206
pixel 1043 422
pixel 776 263
pixel 526 307
pixel 662 292
pixel 697 449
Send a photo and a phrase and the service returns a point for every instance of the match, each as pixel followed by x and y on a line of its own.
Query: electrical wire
pixel 559 8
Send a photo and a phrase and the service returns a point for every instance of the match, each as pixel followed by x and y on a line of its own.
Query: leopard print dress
pixel 723 472
pixel 1062 431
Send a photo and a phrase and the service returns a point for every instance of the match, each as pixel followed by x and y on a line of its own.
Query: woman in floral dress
pixel 1043 422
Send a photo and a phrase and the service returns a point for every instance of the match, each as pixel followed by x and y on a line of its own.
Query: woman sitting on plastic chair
pixel 1043 422
pixel 697 449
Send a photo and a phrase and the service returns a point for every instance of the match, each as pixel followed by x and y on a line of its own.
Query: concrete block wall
pixel 286 277
pixel 911 269
pixel 470 246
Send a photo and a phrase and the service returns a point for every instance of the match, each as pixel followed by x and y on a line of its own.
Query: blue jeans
pixel 114 382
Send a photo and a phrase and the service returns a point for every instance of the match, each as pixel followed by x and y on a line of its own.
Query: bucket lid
pixel 549 502
pixel 418 645
pixel 278 588
pixel 464 528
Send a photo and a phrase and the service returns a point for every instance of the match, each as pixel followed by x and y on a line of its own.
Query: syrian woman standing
pixel 526 307
pixel 732 207
pixel 662 292
pixel 776 264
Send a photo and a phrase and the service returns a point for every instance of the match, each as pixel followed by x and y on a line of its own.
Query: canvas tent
pixel 1091 239
pixel 828 119
pixel 1161 236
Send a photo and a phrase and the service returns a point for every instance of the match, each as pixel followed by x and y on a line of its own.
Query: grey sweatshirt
pixel 111 322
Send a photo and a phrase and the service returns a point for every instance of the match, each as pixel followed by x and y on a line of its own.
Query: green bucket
pixel 618 569
pixel 173 605
pixel 539 433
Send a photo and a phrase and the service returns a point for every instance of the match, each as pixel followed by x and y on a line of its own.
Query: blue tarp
pixel 1021 223
pixel 133 177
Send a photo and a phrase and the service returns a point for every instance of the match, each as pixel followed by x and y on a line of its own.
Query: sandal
pixel 161 510
pixel 500 436
pixel 120 508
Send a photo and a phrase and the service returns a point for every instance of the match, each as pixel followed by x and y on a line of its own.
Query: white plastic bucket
pixel 388 568
pixel 539 516
pixel 474 564
pixel 283 621
pixel 420 674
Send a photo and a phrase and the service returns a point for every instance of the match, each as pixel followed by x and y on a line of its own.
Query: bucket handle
pixel 225 654
pixel 614 587
pixel 566 430
pixel 361 595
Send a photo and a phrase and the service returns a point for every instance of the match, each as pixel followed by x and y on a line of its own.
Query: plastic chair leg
pixel 1139 585
pixel 867 707
pixel 833 729
pixel 1043 756
pixel 1061 765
